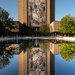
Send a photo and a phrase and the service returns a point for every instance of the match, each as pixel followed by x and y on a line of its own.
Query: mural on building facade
pixel 36 12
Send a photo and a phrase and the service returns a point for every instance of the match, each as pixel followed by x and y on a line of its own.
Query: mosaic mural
pixel 36 12
pixel 37 62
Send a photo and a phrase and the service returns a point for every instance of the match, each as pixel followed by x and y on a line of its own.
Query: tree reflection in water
pixel 27 45
pixel 67 51
pixel 44 44
pixel 5 55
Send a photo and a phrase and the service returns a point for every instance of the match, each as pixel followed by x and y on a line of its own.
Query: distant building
pixel 36 13
pixel 14 31
pixel 54 26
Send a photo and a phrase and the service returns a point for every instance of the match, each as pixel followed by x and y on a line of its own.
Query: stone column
pixel 22 11
pixel 50 11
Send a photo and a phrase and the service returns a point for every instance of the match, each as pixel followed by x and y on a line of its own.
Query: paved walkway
pixel 54 38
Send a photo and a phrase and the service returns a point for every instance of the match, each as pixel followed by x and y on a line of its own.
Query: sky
pixel 62 8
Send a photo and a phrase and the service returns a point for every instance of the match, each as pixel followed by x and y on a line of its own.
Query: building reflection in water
pixel 37 61
pixel 6 53
pixel 35 58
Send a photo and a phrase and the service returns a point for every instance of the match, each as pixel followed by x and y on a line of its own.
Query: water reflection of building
pixel 37 62
pixel 10 49
pixel 23 63
pixel 6 53
pixel 54 48
pixel 16 48
pixel 30 61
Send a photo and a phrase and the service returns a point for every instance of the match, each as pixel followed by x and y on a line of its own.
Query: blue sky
pixel 62 8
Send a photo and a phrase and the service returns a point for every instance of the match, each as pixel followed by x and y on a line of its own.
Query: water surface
pixel 37 57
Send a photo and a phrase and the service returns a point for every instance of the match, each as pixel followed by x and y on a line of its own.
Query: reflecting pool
pixel 37 57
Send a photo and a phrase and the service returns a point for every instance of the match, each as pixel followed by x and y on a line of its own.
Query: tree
pixel 67 51
pixel 30 30
pixel 24 28
pixel 5 20
pixel 44 29
pixel 67 25
pixel 27 29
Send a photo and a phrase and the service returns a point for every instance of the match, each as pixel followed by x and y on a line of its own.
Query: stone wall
pixel 54 26
pixel 50 11
pixel 16 27
pixel 22 11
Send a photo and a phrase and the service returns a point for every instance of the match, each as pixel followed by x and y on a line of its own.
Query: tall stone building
pixel 36 12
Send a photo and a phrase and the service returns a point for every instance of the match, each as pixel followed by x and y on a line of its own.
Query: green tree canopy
pixel 27 29
pixel 67 25
pixel 67 51
pixel 44 29
pixel 5 20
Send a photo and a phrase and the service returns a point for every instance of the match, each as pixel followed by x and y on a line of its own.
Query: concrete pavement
pixel 26 38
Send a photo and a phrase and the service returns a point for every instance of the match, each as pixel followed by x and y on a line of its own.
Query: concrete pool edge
pixel 49 38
